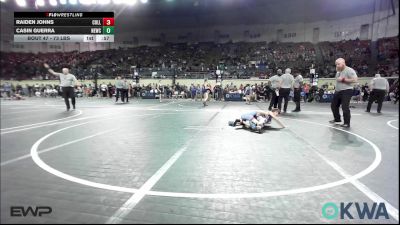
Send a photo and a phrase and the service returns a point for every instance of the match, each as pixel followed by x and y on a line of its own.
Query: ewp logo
pixel 35 211
pixel 331 211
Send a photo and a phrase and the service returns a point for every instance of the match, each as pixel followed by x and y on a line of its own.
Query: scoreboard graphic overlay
pixel 64 26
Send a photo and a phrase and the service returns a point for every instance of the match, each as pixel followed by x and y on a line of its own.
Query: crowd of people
pixel 278 89
pixel 293 55
pixel 261 91
pixel 356 52
pixel 28 66
pixel 237 60
pixel 388 56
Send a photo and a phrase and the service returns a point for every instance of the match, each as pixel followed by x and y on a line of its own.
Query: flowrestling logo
pixel 363 210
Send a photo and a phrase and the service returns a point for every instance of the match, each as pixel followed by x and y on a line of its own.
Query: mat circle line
pixel 366 171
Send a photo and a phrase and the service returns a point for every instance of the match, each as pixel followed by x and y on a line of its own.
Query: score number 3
pixel 108 21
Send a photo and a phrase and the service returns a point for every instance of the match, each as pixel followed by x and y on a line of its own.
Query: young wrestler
pixel 257 120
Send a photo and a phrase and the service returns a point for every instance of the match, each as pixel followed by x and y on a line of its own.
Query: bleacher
pixel 238 60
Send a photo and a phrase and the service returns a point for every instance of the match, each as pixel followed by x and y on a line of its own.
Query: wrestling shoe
pixel 345 125
pixel 335 122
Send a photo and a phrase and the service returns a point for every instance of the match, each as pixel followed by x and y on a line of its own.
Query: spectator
pixel 103 89
pixel 7 89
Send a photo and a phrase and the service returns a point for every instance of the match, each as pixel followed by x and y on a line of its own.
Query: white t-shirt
pixel 380 83
pixel 67 80
pixel 347 73
pixel 275 81
pixel 287 80
pixel 297 81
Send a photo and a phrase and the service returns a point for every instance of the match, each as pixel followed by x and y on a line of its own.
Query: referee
pixel 67 83
pixel 275 82
pixel 119 85
pixel 345 77
pixel 380 87
pixel 284 91
pixel 125 91
pixel 298 83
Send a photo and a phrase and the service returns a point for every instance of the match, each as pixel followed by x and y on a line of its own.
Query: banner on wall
pixel 233 97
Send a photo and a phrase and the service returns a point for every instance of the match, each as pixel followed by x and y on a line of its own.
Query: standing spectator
pixel 7 89
pixel 260 92
pixel 192 92
pixel 357 93
pixel 37 88
pixel 306 90
pixel 18 88
pixel 331 87
pixel 88 91
pixel 110 90
pixel 198 92
pixel 248 92
pixel 365 92
pixel 394 91
pixel 135 90
pixel 394 95
pixel 30 90
pixel 206 92
pixel 219 91
pixel 103 89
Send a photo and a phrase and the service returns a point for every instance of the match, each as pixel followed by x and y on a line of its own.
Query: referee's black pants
pixel 376 95
pixel 342 98
pixel 274 100
pixel 125 94
pixel 283 94
pixel 68 93
pixel 297 98
pixel 118 93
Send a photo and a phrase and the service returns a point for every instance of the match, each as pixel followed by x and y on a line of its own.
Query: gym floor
pixel 177 162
